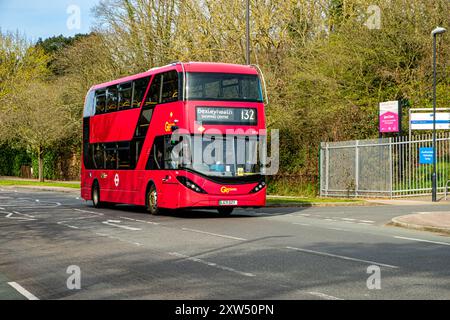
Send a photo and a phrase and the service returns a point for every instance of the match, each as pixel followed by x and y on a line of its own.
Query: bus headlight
pixel 190 184
pixel 259 187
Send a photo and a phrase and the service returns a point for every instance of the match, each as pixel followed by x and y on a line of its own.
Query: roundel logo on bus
pixel 116 180
pixel 227 190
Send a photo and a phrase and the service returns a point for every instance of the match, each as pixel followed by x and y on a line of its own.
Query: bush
pixel 11 160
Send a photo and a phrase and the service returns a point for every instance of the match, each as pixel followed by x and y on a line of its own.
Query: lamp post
pixel 434 33
pixel 248 34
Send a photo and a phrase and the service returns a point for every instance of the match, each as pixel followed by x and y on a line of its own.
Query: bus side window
pixel 125 96
pixel 154 93
pixel 170 87
pixel 124 154
pixel 139 88
pixel 156 157
pixel 100 101
pixel 111 99
pixel 99 156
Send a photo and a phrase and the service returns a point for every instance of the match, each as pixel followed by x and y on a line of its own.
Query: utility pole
pixel 434 33
pixel 248 33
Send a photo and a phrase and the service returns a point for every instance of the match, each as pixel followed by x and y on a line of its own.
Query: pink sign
pixel 389 120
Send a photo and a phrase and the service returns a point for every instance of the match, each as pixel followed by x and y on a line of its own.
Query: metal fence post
pixel 390 168
pixel 320 170
pixel 327 168
pixel 356 167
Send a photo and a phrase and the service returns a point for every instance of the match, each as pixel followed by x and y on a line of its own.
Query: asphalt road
pixel 277 253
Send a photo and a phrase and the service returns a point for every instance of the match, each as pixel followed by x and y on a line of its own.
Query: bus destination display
pixel 220 115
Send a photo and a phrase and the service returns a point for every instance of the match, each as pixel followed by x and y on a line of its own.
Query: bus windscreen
pixel 223 87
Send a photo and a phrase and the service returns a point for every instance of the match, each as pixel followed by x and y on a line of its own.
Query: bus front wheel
pixel 96 196
pixel 152 200
pixel 225 211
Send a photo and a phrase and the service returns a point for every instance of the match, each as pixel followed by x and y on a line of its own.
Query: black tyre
pixel 152 201
pixel 96 196
pixel 226 211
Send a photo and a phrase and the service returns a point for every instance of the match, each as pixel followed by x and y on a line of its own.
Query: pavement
pixel 426 221
pixel 121 252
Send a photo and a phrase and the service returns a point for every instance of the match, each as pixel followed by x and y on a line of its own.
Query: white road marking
pixel 341 257
pixel 211 264
pixel 2 208
pixel 367 221
pixel 136 220
pixel 348 219
pixel 114 223
pixel 80 218
pixel 96 213
pixel 301 224
pixel 214 234
pixel 422 240
pixel 329 219
pixel 67 225
pixel 10 216
pixel 119 239
pixel 24 214
pixel 338 229
pixel 324 296
pixel 23 291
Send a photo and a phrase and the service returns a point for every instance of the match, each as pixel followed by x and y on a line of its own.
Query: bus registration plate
pixel 228 203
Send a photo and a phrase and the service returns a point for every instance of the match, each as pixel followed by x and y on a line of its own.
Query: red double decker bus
pixel 184 135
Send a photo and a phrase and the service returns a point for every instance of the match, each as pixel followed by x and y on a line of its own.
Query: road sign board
pixel 426 155
pixel 424 121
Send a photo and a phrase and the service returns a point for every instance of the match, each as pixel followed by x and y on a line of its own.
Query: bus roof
pixel 188 67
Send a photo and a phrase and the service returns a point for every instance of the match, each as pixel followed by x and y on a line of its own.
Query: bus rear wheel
pixel 225 211
pixel 152 201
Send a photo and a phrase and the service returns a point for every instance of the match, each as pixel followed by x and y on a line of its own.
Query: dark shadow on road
pixel 206 213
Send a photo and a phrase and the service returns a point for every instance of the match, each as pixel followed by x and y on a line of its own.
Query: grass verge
pixel 308 200
pixel 39 184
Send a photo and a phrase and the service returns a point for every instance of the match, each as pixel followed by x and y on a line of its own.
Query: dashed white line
pixel 348 219
pixel 23 291
pixel 367 221
pixel 423 240
pixel 211 264
pixel 96 213
pixel 214 234
pixel 324 296
pixel 337 229
pixel 118 239
pixel 114 223
pixel 67 225
pixel 341 257
pixel 301 224
pixel 136 220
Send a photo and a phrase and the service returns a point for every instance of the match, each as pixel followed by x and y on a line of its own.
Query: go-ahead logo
pixel 227 190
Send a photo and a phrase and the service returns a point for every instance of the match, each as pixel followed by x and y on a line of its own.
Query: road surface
pixel 277 253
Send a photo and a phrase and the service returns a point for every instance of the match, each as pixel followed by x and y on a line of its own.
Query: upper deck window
pixel 223 86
